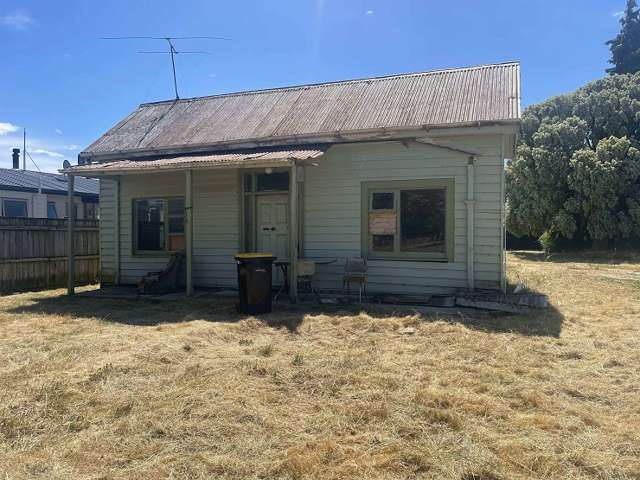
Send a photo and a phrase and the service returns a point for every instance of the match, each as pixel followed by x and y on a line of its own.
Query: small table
pixel 283 265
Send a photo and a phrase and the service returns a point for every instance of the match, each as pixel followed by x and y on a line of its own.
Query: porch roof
pixel 246 159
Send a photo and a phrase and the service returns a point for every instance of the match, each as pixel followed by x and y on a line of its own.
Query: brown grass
pixel 124 389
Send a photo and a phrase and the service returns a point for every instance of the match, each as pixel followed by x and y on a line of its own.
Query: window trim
pixel 13 199
pixel 134 229
pixel 396 186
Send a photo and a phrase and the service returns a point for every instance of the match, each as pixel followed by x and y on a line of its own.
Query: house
pixel 404 170
pixel 26 193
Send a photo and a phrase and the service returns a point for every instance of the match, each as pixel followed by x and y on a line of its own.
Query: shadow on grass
pixel 145 312
pixel 534 322
pixel 606 257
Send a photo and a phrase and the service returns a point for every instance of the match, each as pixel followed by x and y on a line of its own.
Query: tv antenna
pixel 172 50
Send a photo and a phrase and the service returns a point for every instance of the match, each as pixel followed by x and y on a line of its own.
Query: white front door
pixel 273 227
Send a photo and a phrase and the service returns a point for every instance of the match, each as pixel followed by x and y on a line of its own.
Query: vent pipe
pixel 16 158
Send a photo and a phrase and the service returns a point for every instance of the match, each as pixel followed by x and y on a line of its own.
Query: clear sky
pixel 67 87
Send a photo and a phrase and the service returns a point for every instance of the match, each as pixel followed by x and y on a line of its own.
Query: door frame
pixel 249 240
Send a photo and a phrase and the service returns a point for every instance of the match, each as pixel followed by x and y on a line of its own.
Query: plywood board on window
pixel 382 223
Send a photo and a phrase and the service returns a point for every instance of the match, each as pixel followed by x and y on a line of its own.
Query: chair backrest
pixel 355 265
pixel 306 268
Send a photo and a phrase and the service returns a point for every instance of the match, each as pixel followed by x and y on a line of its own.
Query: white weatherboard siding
pixel 216 235
pixel 107 231
pixel 216 227
pixel 332 210
pixel 332 216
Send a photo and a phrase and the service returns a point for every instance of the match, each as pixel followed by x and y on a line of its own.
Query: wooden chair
pixel 355 271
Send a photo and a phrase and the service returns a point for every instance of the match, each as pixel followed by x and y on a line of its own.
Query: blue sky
pixel 66 86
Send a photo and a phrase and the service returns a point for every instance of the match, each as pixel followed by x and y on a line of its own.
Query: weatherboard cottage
pixel 406 171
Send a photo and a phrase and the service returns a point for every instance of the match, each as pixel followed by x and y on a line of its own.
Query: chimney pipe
pixel 16 158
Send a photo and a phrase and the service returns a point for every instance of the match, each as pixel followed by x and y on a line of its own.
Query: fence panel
pixel 33 253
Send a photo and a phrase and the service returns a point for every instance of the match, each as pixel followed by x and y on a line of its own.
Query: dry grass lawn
pixel 132 389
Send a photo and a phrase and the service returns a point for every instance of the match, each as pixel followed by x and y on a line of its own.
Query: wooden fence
pixel 33 253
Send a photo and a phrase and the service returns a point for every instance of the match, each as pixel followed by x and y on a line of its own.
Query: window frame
pixel 397 186
pixel 134 216
pixel 88 215
pixel 11 199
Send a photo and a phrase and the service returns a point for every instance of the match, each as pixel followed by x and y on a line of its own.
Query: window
pixel 14 207
pixel 66 210
pixel 51 210
pixel 90 211
pixel 159 224
pixel 272 182
pixel 408 219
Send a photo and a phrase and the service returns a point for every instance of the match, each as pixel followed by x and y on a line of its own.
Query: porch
pixel 209 206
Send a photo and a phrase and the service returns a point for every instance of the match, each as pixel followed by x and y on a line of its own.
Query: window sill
pixel 409 259
pixel 151 253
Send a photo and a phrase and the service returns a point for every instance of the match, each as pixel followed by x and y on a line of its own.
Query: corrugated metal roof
pixel 29 181
pixel 483 94
pixel 217 160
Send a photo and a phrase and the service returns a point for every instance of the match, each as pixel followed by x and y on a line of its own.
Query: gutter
pixel 339 136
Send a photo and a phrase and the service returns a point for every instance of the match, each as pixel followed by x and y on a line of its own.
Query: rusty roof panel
pixel 481 94
pixel 207 160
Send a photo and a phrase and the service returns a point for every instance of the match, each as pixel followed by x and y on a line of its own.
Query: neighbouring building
pixel 27 193
pixel 406 171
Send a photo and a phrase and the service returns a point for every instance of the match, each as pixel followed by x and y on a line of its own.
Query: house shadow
pixel 545 322
pixel 145 312
pixel 610 257
pixel 149 312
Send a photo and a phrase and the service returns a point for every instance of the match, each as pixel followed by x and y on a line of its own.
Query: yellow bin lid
pixel 255 256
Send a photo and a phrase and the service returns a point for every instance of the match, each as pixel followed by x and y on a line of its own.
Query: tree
pixel 625 48
pixel 576 175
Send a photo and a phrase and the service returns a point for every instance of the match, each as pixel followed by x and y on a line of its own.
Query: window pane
pixel 51 210
pixel 15 208
pixel 382 201
pixel 176 224
pixel 422 220
pixel 382 243
pixel 248 182
pixel 91 211
pixel 66 210
pixel 274 182
pixel 150 218
pixel 176 206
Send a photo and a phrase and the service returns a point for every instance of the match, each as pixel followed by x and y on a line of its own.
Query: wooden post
pixel 470 224
pixel 293 234
pixel 188 226
pixel 71 220
pixel 117 229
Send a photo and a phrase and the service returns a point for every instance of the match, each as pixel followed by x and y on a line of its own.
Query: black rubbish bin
pixel 254 282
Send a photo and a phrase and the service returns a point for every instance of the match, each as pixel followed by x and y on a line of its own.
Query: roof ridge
pixel 28 171
pixel 335 82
